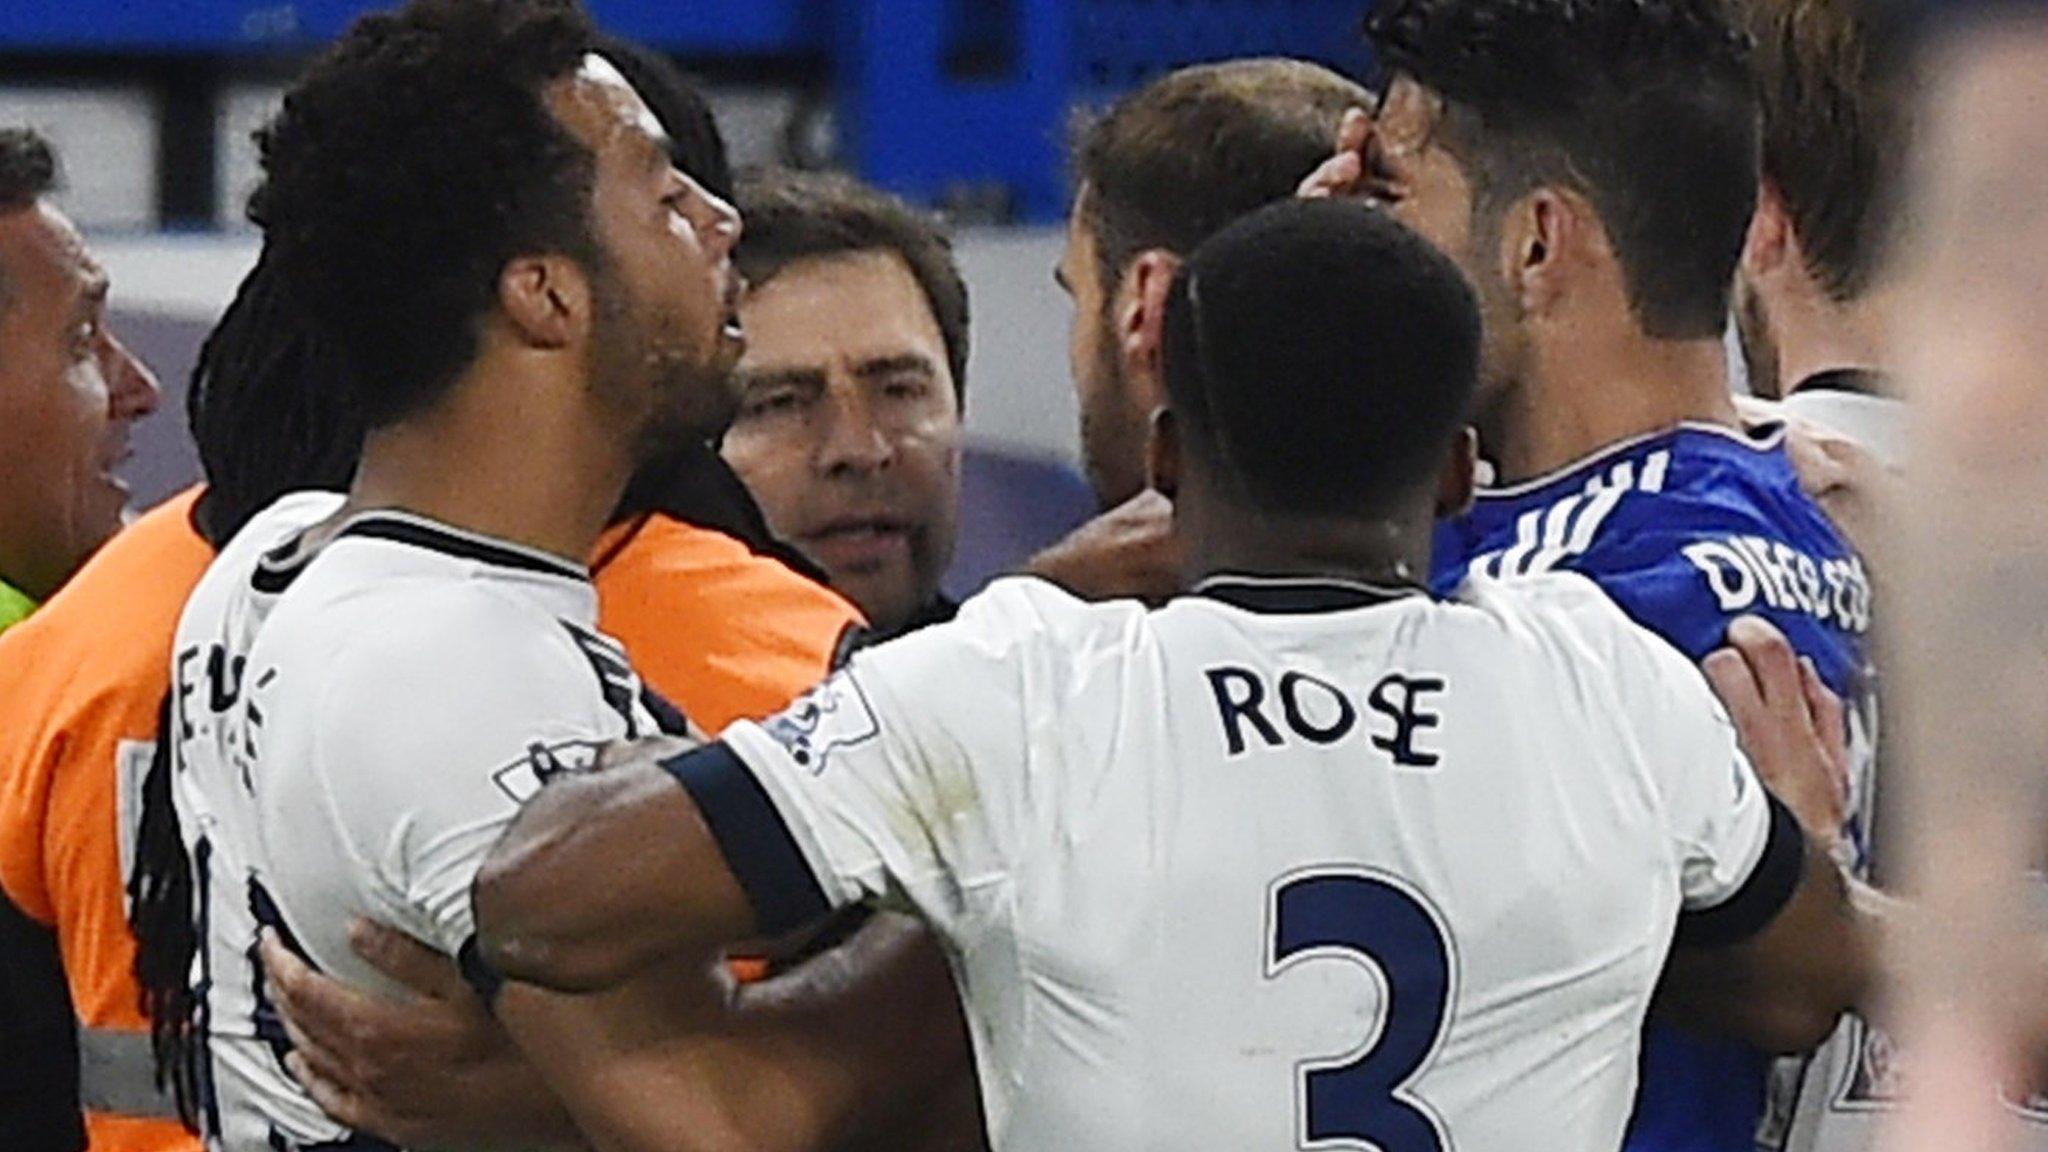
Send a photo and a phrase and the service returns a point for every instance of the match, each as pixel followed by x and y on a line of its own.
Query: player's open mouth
pixel 735 291
pixel 859 543
pixel 112 458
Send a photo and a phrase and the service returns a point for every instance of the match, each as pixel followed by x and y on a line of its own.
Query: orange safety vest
pixel 80 684
pixel 719 630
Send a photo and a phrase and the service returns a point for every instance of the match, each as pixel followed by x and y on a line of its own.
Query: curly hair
pixel 1646 107
pixel 268 407
pixel 407 167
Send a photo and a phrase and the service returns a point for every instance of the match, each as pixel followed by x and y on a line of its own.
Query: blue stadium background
pixel 963 105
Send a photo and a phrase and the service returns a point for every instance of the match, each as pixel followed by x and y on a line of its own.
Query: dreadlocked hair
pixel 163 917
pixel 269 415
pixel 268 406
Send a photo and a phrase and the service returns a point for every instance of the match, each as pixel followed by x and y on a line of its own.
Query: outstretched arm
pixel 1783 989
pixel 850 1049
pixel 674 1059
pixel 603 875
pixel 1783 984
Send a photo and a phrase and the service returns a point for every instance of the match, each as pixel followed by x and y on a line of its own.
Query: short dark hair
pixel 28 172
pixel 407 167
pixel 1170 164
pixel 1646 107
pixel 696 146
pixel 1837 113
pixel 796 216
pixel 1320 357
pixel 28 168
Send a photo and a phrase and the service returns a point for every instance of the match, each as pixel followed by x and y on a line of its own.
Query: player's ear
pixel 1770 240
pixel 1537 241
pixel 1163 453
pixel 1460 475
pixel 546 299
pixel 1141 322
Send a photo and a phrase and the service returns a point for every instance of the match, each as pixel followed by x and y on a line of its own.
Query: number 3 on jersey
pixel 1380 924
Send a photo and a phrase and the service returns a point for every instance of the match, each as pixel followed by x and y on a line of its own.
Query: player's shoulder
pixel 1547 601
pixel 267 536
pixel 420 621
pixel 1570 615
pixel 229 578
pixel 1003 635
pixel 1628 505
pixel 1030 610
pixel 370 674
pixel 284 518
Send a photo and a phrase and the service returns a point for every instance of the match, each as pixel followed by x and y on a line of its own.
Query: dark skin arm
pixel 1129 551
pixel 860 1047
pixel 432 1069
pixel 849 1050
pixel 1784 989
pixel 668 892
pixel 845 1044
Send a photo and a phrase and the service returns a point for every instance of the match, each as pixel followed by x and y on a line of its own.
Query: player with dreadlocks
pixel 658 567
pixel 267 409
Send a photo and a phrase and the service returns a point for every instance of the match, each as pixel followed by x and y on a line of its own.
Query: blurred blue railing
pixel 945 101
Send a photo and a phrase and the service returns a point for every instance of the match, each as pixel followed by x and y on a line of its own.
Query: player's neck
pixel 22 570
pixel 1823 337
pixel 1395 551
pixel 535 475
pixel 1580 399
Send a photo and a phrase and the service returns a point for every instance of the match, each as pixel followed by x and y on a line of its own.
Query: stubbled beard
pixel 649 382
pixel 1112 431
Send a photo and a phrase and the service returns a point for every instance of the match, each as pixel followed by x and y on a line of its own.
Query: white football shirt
pixel 355 725
pixel 1284 864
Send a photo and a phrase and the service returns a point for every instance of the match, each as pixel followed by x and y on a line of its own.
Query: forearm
pixel 844 1047
pixel 883 1007
pixel 661 1038
pixel 666 892
pixel 1785 989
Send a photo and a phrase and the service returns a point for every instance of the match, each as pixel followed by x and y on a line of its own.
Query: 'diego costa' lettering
pixel 1746 572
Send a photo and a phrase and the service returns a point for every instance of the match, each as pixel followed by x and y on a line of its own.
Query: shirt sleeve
pixel 431 741
pixel 899 781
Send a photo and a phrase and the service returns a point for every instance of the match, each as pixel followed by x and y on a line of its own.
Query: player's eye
pixel 906 388
pixel 770 403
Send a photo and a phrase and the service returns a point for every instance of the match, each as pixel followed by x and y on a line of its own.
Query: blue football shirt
pixel 1687 530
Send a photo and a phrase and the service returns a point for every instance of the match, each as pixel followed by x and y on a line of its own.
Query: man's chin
pixel 100 516
pixel 694 404
pixel 881 596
